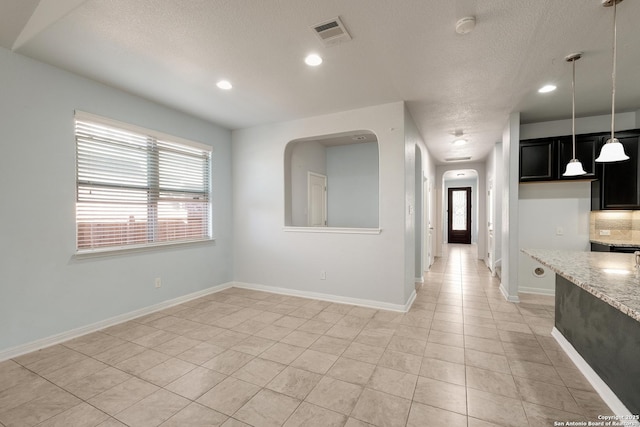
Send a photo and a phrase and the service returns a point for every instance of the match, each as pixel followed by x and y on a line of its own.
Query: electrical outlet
pixel 158 282
pixel 605 232
pixel 323 275
pixel 559 231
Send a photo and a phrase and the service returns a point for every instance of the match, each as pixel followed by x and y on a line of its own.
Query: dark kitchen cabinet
pixel 546 159
pixel 619 183
pixel 586 146
pixel 537 160
pixel 613 186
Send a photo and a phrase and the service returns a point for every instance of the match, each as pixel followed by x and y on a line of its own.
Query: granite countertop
pixel 611 277
pixel 618 243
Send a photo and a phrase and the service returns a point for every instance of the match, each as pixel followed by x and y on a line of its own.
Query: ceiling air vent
pixel 331 32
pixel 456 159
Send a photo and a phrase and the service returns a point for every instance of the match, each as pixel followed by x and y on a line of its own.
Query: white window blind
pixel 137 187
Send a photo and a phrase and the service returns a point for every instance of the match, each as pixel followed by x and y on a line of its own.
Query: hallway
pixel 513 369
pixel 461 357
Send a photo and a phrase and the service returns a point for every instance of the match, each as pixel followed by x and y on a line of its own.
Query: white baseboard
pixel 410 302
pixel 328 297
pixel 536 291
pixel 607 395
pixel 506 295
pixel 419 279
pixel 75 333
pixel 84 330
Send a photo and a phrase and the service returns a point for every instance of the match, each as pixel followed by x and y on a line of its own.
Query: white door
pixel 317 200
pixel 427 228
pixel 490 233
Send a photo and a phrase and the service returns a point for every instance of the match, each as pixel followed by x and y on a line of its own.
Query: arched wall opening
pixel 332 181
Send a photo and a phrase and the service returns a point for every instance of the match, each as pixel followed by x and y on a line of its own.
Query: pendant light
pixel 612 151
pixel 574 167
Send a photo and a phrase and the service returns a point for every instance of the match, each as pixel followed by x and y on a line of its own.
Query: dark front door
pixel 459 215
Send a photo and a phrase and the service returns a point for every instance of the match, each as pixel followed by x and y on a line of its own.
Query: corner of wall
pixel 510 245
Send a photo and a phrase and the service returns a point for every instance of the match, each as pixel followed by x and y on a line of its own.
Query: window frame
pixel 152 211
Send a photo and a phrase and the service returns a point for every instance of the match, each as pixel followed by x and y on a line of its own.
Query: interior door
pixel 427 228
pixel 459 215
pixel 490 236
pixel 317 200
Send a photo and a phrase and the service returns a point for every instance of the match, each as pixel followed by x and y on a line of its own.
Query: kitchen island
pixel 597 312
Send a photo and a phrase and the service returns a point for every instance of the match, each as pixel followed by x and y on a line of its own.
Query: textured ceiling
pixel 174 51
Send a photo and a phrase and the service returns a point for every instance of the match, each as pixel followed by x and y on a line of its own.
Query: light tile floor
pixel 462 356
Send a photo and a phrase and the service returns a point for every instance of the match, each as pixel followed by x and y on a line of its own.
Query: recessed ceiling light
pixel 313 60
pixel 459 141
pixel 224 84
pixel 547 89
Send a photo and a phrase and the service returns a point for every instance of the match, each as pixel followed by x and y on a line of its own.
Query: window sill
pixel 332 230
pixel 125 250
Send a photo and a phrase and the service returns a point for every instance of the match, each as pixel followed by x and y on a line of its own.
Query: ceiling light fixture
pixel 224 85
pixel 313 60
pixel 547 89
pixel 465 25
pixel 459 141
pixel 574 167
pixel 457 159
pixel 612 150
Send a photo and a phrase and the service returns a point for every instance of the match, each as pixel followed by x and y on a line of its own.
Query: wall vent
pixel 331 32
pixel 456 159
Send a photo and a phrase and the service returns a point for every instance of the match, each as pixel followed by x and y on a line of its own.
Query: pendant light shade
pixel 574 167
pixel 612 150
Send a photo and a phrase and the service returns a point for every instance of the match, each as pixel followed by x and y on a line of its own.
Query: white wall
pixel 499 191
pixel 545 210
pixel 44 290
pixel 510 247
pixel 412 247
pixel 592 124
pixel 494 182
pixel 359 266
pixel 352 182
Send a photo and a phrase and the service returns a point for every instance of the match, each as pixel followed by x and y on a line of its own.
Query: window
pixel 138 188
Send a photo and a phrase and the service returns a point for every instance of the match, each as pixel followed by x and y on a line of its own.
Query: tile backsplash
pixel 623 226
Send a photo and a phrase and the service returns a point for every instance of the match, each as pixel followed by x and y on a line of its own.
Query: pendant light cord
pixel 573 110
pixel 613 76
